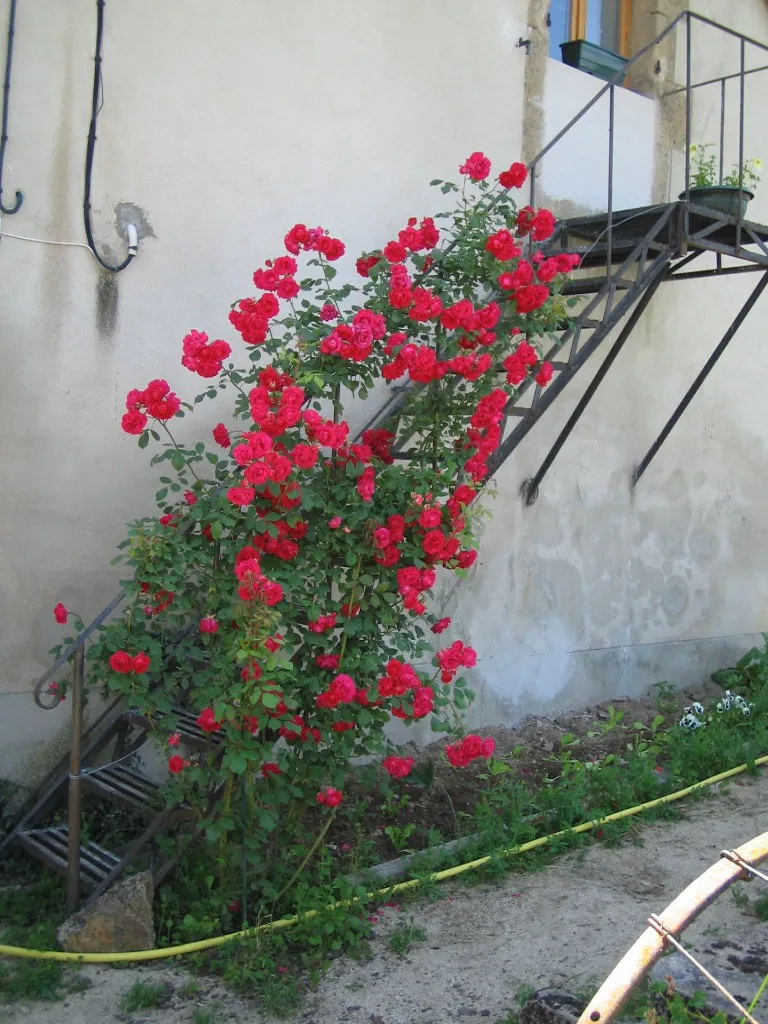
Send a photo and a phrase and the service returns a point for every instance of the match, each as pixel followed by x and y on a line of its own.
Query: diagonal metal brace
pixel 530 488
pixel 686 401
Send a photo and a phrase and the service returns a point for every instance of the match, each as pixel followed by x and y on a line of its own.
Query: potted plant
pixel 594 59
pixel 724 194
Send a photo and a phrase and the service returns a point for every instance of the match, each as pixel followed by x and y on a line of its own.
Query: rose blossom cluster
pixel 411 583
pixel 517 363
pixel 469 749
pixel 401 680
pixel 254 585
pixel 313 240
pixel 278 277
pixel 411 239
pixel 203 357
pixel 386 538
pixel 398 767
pixel 484 433
pixel 124 664
pixel 355 341
pixel 452 658
pixel 157 399
pixel 342 690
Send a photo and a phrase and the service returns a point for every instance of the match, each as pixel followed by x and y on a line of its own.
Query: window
pixel 604 22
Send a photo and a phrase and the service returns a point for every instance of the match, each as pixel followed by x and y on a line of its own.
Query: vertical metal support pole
pixel 611 112
pixel 73 853
pixel 722 129
pixel 739 215
pixel 8 210
pixel 686 213
pixel 532 203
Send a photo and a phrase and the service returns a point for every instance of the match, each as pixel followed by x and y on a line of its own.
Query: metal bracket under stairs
pixel 688 397
pixel 648 259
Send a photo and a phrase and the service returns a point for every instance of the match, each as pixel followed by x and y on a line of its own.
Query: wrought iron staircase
pixel 626 256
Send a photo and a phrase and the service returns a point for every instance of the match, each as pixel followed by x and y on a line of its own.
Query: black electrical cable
pixel 91 148
pixel 6 101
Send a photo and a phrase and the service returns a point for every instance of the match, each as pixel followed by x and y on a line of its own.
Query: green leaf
pixel 144 439
pixel 216 530
pixel 177 461
pixel 236 763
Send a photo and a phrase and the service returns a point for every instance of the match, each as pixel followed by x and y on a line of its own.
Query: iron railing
pixel 687 19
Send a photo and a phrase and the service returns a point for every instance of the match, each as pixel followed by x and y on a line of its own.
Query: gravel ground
pixel 564 926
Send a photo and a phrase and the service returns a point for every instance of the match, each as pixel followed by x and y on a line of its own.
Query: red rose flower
pixel 140 663
pixel 441 625
pixel 60 613
pixel 398 767
pixel 121 662
pixel 209 625
pixel 270 768
pixel 241 495
pixel 477 166
pixel 176 764
pixel 514 177
pixel 133 422
pixel 330 797
pixel 221 435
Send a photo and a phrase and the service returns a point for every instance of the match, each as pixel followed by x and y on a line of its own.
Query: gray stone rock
pixel 120 921
pixel 739 963
pixel 551 1006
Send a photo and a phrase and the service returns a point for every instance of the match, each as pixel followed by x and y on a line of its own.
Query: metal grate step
pixel 50 846
pixel 187 727
pixel 122 786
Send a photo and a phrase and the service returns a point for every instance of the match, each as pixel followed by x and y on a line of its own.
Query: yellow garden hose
pixel 439 876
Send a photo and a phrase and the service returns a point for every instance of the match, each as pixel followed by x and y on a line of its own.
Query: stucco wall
pixel 227 123
pixel 574 174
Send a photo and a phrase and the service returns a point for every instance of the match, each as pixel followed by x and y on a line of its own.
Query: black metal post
pixel 739 214
pixel 530 489
pixel 722 129
pixel 609 242
pixel 740 318
pixel 6 103
pixel 686 213
pixel 73 852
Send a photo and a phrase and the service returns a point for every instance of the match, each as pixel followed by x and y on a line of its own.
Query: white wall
pixel 576 168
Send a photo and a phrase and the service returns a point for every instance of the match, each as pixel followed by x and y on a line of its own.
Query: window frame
pixel 578 25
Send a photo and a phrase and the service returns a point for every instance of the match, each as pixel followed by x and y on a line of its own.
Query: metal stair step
pixel 125 787
pixel 187 728
pixel 50 845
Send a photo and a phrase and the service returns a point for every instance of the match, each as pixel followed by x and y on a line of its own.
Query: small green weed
pixel 142 996
pixel 740 898
pixel 209 1015
pixel 400 836
pixel 405 936
pixel 761 907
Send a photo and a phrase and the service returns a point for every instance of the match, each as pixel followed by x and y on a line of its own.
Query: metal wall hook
pixel 6 102
pixel 524 44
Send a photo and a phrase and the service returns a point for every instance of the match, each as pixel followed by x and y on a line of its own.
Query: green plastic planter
pixel 592 58
pixel 723 198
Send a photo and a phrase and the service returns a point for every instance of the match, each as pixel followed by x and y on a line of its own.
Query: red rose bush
pixel 283 592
